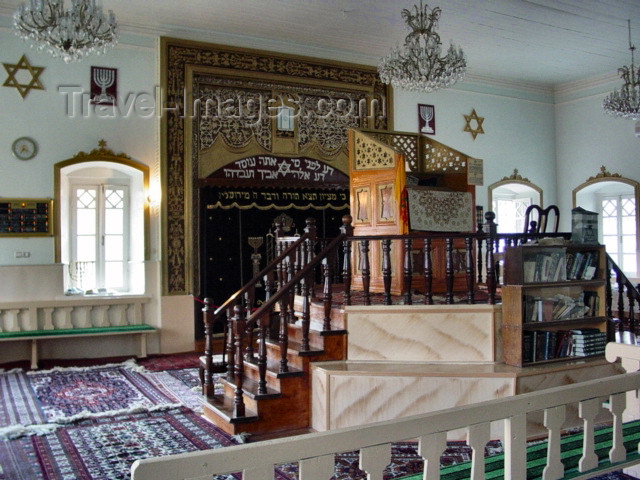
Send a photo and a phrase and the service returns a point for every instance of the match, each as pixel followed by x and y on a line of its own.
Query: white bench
pixel 87 316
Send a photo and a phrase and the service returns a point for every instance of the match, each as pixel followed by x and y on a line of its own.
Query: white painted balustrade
pixel 81 312
pixel 315 452
pixel 40 320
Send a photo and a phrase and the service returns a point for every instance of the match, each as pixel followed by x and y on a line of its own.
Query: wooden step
pixel 295 355
pixel 219 409
pixel 286 405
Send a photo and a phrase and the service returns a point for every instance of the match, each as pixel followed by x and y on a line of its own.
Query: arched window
pixel 615 199
pixel 509 198
pixel 101 222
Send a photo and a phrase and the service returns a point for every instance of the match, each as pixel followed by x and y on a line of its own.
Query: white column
pixel 100 316
pixel 47 323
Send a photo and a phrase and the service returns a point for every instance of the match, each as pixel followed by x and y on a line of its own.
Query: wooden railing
pixel 237 316
pixel 304 262
pixel 295 271
pixel 624 321
pixel 315 452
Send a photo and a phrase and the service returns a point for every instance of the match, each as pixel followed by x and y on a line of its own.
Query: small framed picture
pixel 104 85
pixel 426 119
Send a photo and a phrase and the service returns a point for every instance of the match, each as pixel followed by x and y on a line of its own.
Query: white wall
pixel 587 138
pixel 43 115
pixel 60 133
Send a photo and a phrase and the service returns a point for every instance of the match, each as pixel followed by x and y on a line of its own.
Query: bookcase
pixel 553 303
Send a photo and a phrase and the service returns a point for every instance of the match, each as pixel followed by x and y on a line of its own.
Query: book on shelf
pixel 541 345
pixel 559 307
pixel 588 351
pixel 545 266
pixel 582 265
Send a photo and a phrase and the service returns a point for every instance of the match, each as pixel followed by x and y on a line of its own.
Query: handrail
pixel 241 326
pixel 315 451
pixel 266 270
pixel 633 298
pixel 286 288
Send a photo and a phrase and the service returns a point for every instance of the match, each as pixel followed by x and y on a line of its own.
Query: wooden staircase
pixel 286 405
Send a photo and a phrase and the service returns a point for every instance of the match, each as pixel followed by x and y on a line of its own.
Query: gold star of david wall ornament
pixel 17 78
pixel 478 124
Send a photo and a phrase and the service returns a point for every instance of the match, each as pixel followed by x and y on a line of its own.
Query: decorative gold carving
pixel 234 116
pixel 23 88
pixel 100 153
pixel 515 176
pixel 244 66
pixel 372 155
pixel 478 128
pixel 604 173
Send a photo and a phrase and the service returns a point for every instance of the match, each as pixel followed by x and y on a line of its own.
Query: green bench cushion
pixel 77 331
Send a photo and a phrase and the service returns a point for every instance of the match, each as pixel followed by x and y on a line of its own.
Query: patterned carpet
pixel 70 394
pixel 92 423
pixel 104 448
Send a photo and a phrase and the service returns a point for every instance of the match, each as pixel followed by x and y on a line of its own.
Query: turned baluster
pixel 448 271
pixel 469 270
pixel 408 271
pixel 249 352
pixel 608 293
pixel 386 269
pixel 298 256
pixel 632 315
pixel 428 273
pixel 263 323
pixel 365 270
pixel 207 318
pixel 492 231
pixel 479 241
pixel 268 292
pixel 479 238
pixel 310 229
pixel 230 345
pixel 291 318
pixel 491 276
pixel 608 301
pixel 327 295
pixel 620 282
pixel 238 332
pixel 280 270
pixel 283 339
pixel 306 313
pixel 346 230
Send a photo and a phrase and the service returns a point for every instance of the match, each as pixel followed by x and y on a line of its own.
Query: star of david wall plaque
pixel 473 124
pixel 23 81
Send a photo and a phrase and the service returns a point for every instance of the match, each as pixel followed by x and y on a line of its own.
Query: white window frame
pixel 100 262
pixel 618 256
pixel 120 171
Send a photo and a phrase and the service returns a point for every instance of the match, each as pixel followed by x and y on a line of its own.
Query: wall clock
pixel 24 148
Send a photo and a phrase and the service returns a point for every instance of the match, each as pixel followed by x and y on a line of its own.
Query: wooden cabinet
pixel 377 180
pixel 553 303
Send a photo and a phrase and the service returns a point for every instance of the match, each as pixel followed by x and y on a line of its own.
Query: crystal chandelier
pixel 418 66
pixel 70 34
pixel 625 102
